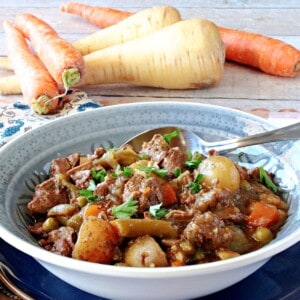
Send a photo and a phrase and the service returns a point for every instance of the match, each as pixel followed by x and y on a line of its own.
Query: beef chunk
pixel 60 241
pixel 174 159
pixel 148 191
pixel 63 164
pixel 156 148
pixel 81 175
pixel 47 195
pixel 209 231
pixel 36 229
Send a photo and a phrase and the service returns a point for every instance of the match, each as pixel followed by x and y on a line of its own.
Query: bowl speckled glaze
pixel 24 162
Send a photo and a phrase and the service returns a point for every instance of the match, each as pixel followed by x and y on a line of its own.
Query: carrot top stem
pixel 43 104
pixel 70 77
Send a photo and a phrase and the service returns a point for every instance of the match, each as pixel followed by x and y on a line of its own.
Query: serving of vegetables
pixel 157 207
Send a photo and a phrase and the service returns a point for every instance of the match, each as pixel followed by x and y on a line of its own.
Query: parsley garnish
pixel 98 175
pixel 177 172
pixel 265 179
pixel 168 136
pixel 125 210
pixel 193 163
pixel 157 212
pixel 127 172
pixel 195 186
pixel 89 194
pixel 148 170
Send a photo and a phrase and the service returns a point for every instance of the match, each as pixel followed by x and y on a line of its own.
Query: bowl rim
pixel 47 257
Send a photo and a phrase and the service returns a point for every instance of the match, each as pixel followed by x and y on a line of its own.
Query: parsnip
pixel 5 63
pixel 140 24
pixel 10 85
pixel 186 55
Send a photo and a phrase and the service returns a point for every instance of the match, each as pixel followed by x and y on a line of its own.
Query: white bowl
pixel 26 159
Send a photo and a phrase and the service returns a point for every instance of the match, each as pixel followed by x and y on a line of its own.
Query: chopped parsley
pixel 157 212
pixel 177 172
pixel 163 173
pixel 126 209
pixel 193 163
pixel 195 186
pixel 89 194
pixel 127 172
pixel 98 175
pixel 265 179
pixel 168 136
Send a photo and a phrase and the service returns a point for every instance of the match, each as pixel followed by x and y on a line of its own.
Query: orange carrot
pixel 64 62
pixel 269 55
pixel 93 210
pixel 98 15
pixel 38 87
pixel 262 215
pixel 169 195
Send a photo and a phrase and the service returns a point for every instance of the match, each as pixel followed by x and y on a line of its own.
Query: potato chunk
pixel 220 171
pixel 145 252
pixel 96 241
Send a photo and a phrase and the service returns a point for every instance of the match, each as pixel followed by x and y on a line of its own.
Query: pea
pixel 50 224
pixel 263 235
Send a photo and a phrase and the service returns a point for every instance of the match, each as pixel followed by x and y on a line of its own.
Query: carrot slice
pixel 98 15
pixel 39 89
pixel 169 195
pixel 64 62
pixel 262 215
pixel 93 210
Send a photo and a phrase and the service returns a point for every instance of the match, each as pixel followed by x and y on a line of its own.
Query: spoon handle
pixel 291 132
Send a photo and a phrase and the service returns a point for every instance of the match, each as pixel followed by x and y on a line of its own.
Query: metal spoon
pixel 188 140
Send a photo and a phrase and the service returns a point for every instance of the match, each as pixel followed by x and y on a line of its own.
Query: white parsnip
pixel 5 63
pixel 140 24
pixel 186 55
pixel 10 85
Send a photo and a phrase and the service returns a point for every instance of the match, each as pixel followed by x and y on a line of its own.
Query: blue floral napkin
pixel 17 118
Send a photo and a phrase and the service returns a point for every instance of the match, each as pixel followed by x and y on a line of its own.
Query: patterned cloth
pixel 17 118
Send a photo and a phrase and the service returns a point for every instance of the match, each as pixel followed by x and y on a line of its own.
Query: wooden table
pixel 244 88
